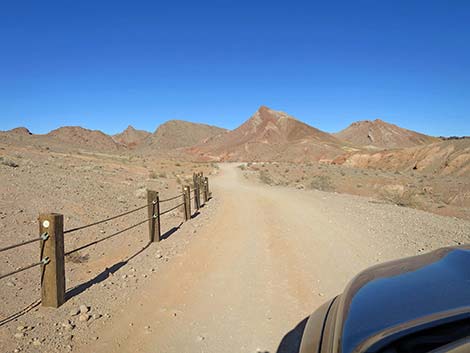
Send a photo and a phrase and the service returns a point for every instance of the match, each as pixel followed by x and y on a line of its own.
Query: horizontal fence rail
pixel 106 220
pixel 51 238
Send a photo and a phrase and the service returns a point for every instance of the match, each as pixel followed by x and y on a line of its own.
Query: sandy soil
pixel 84 187
pixel 239 277
pixel 267 258
pixel 447 195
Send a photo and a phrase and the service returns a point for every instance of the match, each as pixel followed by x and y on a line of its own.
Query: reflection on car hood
pixel 393 294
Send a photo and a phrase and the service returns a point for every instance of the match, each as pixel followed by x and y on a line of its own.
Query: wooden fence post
pixel 153 214
pixel 201 188
pixel 197 200
pixel 206 180
pixel 204 189
pixel 158 231
pixel 52 249
pixel 187 202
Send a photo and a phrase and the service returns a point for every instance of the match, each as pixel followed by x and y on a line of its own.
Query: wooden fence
pixel 51 236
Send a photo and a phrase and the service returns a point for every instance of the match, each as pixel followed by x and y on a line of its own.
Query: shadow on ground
pixel 80 288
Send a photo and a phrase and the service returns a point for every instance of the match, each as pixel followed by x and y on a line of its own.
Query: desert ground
pixel 241 276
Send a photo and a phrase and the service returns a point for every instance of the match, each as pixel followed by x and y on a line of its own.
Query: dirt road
pixel 268 258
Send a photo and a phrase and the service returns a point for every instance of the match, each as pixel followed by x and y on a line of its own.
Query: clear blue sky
pixel 106 64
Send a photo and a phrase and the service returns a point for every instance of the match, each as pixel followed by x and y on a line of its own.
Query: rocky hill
pixel 451 157
pixel 270 135
pixel 85 138
pixel 178 133
pixel 380 134
pixel 132 137
pixel 22 131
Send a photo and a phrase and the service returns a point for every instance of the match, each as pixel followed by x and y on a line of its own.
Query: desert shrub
pixel 8 162
pixel 399 195
pixel 321 182
pixel 265 178
pixel 177 164
pixel 154 175
pixel 242 167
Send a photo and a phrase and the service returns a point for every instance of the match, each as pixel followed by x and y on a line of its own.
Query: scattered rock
pixel 84 309
pixel 68 326
pixel 84 317
pixel 74 312
pixel 36 342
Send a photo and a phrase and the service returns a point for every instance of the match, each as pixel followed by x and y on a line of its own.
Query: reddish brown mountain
pixel 131 137
pixel 270 135
pixel 22 131
pixel 178 133
pixel 85 138
pixel 380 134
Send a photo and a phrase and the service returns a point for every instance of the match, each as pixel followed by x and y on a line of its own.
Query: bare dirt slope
pixel 267 258
pixel 270 135
pixel 380 134
pixel 451 158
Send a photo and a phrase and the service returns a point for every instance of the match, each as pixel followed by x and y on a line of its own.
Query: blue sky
pixel 107 64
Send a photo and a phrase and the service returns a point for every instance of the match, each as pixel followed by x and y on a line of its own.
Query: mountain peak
pixel 20 131
pixel 271 135
pixel 381 134
pixel 80 136
pixel 131 137
pixel 174 134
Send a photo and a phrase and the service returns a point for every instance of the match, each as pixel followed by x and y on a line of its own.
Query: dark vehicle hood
pixel 403 294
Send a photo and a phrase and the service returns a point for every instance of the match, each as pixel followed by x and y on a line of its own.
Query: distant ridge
pixel 175 134
pixel 79 136
pixel 380 134
pixel 132 137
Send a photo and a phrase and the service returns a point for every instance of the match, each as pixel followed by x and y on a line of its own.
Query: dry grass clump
pixel 322 182
pixel 156 175
pixel 400 196
pixel 8 162
pixel 265 178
